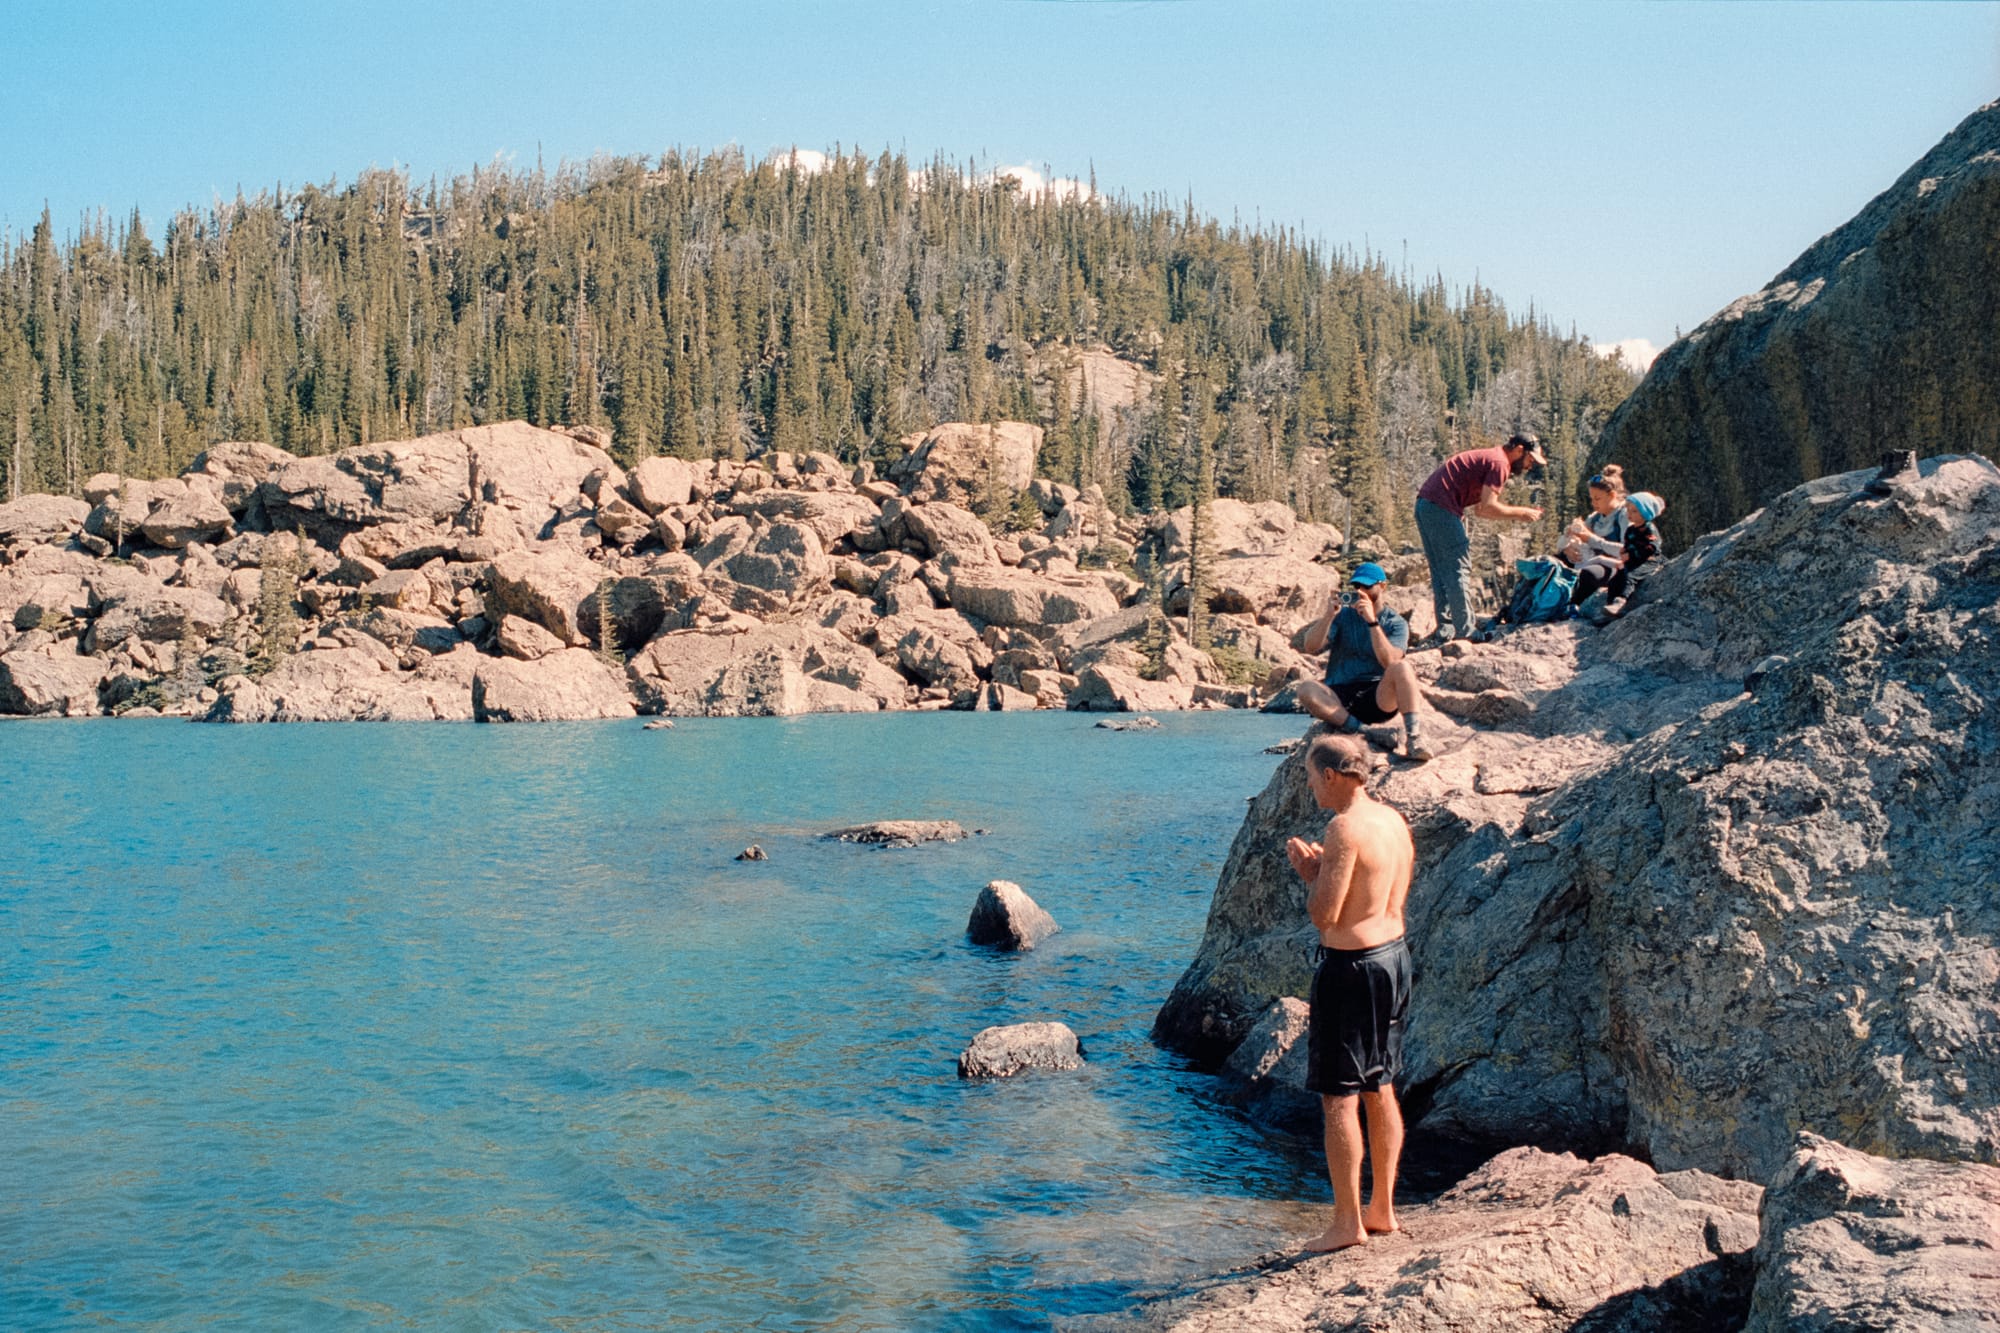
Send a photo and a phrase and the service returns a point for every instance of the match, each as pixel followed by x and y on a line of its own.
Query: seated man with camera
pixel 1367 679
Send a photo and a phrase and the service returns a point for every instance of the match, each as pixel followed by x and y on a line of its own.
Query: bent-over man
pixel 1358 881
pixel 1468 482
pixel 1368 681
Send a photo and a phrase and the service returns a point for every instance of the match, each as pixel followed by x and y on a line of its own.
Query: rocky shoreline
pixel 509 573
pixel 1707 897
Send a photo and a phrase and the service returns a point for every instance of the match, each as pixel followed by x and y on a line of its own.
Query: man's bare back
pixel 1364 877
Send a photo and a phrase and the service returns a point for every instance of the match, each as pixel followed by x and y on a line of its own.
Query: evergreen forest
pixel 704 305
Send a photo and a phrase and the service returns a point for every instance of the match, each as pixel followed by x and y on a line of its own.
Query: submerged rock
pixel 1005 917
pixel 900 832
pixel 1001 1052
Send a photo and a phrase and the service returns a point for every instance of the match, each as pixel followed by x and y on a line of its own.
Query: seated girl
pixel 1602 530
pixel 1618 576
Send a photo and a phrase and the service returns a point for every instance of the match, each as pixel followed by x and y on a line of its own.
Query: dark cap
pixel 1528 440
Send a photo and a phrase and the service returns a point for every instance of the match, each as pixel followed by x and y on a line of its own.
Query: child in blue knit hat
pixel 1619 576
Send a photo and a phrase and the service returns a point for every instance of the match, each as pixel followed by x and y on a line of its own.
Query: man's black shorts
pixel 1358 698
pixel 1359 998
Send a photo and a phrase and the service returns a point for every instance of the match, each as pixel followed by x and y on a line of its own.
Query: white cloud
pixel 1638 352
pixel 1062 189
pixel 805 161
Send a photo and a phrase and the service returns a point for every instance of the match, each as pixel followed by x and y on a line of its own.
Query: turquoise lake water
pixel 459 1027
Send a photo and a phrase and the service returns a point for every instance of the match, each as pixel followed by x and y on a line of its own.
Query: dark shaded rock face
pixel 1883 335
pixel 1664 911
pixel 1856 1242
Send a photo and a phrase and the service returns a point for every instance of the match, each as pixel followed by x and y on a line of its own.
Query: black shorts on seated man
pixel 1368 680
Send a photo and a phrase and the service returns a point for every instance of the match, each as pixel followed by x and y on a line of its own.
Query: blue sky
pixel 1627 168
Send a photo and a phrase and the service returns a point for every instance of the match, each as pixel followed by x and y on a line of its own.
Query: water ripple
pixel 389 1027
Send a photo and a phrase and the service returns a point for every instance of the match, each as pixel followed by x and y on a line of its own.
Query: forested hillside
pixel 704 306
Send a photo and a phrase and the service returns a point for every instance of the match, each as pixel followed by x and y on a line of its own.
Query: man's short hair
pixel 1341 754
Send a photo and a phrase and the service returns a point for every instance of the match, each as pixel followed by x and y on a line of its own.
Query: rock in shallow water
pixel 1001 1052
pixel 900 832
pixel 1006 917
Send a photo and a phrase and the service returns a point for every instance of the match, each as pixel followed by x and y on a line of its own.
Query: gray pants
pixel 1449 552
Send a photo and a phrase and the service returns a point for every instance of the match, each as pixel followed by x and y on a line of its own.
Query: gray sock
pixel 1410 725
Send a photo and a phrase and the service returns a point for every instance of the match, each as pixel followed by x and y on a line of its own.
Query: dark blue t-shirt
pixel 1350 645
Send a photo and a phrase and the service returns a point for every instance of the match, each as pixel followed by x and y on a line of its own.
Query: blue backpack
pixel 1542 592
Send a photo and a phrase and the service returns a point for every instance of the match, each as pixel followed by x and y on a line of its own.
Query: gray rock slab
pixel 1852 1241
pixel 1001 1052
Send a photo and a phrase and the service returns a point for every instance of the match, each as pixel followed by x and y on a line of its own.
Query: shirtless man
pixel 1358 880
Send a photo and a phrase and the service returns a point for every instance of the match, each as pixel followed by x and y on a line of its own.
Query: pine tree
pixel 607 628
pixel 277 594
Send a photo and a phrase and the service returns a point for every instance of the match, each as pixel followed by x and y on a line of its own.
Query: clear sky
pixel 1627 168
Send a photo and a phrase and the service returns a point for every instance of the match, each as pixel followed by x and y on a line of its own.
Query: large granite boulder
pixel 192 512
pixel 1530 1242
pixel 1881 335
pixel 34 519
pixel 466 478
pixel 832 515
pixel 158 613
pixel 945 531
pixel 1278 590
pixel 569 686
pixel 1236 528
pixel 1664 910
pixel 550 586
pixel 49 680
pixel 768 671
pixel 787 560
pixel 359 680
pixel 1007 597
pixel 1102 688
pixel 1857 1242
pixel 659 484
pixel 953 461
pixel 937 648
pixel 238 468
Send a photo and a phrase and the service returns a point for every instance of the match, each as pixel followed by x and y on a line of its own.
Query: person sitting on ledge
pixel 1368 680
pixel 1619 576
pixel 1602 530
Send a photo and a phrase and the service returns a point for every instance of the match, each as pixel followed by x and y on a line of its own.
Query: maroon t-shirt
pixel 1461 479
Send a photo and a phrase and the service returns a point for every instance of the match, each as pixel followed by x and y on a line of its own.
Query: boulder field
pixel 1717 887
pixel 511 573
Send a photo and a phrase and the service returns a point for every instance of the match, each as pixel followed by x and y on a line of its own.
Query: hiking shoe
pixel 1418 752
pixel 1434 640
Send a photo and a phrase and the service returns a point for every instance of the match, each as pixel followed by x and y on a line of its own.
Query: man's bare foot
pixel 1336 1237
pixel 1379 1220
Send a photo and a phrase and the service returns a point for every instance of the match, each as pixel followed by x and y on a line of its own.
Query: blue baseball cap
pixel 1367 575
